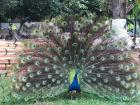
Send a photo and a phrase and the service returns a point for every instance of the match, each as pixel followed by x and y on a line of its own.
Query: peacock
pixel 74 54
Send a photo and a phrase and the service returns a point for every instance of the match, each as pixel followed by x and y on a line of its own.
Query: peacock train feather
pixel 75 54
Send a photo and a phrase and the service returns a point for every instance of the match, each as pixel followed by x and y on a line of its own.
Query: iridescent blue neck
pixel 75 84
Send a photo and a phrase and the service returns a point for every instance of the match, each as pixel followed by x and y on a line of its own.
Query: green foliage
pixel 135 12
pixel 7 5
pixel 41 9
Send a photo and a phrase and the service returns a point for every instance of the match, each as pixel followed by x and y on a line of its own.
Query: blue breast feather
pixel 74 85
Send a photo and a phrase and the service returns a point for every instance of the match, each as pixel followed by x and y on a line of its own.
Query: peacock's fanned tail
pixel 79 42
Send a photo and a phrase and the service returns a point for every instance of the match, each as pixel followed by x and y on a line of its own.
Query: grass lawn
pixel 83 99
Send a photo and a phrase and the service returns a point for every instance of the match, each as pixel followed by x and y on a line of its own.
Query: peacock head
pixel 77 71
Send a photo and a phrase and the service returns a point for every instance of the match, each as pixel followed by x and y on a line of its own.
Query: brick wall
pixel 8 54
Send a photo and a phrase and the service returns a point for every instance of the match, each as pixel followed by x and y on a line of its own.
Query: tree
pixel 40 9
pixel 6 6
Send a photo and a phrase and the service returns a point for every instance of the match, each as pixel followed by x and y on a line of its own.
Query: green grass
pixel 83 99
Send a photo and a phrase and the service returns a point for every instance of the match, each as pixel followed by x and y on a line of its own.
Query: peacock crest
pixel 75 53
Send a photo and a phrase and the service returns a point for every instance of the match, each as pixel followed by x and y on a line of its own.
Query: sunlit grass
pixel 83 99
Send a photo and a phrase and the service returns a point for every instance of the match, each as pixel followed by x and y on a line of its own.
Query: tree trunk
pixel 119 9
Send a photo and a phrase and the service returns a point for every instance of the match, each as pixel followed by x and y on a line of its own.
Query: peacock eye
pixel 101 47
pixel 120 66
pixel 37 63
pixel 47 36
pixel 33 46
pixel 17 66
pixel 132 91
pixel 58 36
pixel 31 75
pixel 90 71
pixel 59 49
pixel 23 60
pixel 117 90
pixel 66 51
pixel 83 59
pixel 94 79
pixel 132 65
pixel 14 79
pixel 58 82
pixel 85 74
pixel 28 84
pixel 110 88
pixel 127 85
pixel 64 58
pixel 117 78
pixel 76 15
pixel 44 82
pixel 102 68
pixel 29 57
pixel 95 28
pixel 89 35
pixel 24 79
pixel 135 75
pixel 126 68
pixel 36 31
pixel 17 86
pixel 49 76
pixel 120 57
pixel 81 19
pixel 82 51
pixel 89 81
pixel 99 24
pixel 110 72
pixel 112 57
pixel 133 84
pixel 75 44
pixel 90 15
pixel 80 25
pixel 53 79
pixel 38 72
pixel 57 72
pixel 55 58
pixel 123 82
pixel 92 58
pixel 46 69
pixel 37 85
pixel 100 84
pixel 64 23
pixel 98 75
pixel 46 61
pixel 15 95
pixel 29 69
pixel 83 39
pixel 92 66
pixel 49 49
pixel 105 80
pixel 64 65
pixel 102 58
pixel 120 43
pixel 24 88
pixel 125 55
pixel 70 62
pixel 55 67
pixel 50 31
pixel 128 77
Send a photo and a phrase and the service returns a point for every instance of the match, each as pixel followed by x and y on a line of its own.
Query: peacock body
pixel 71 60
